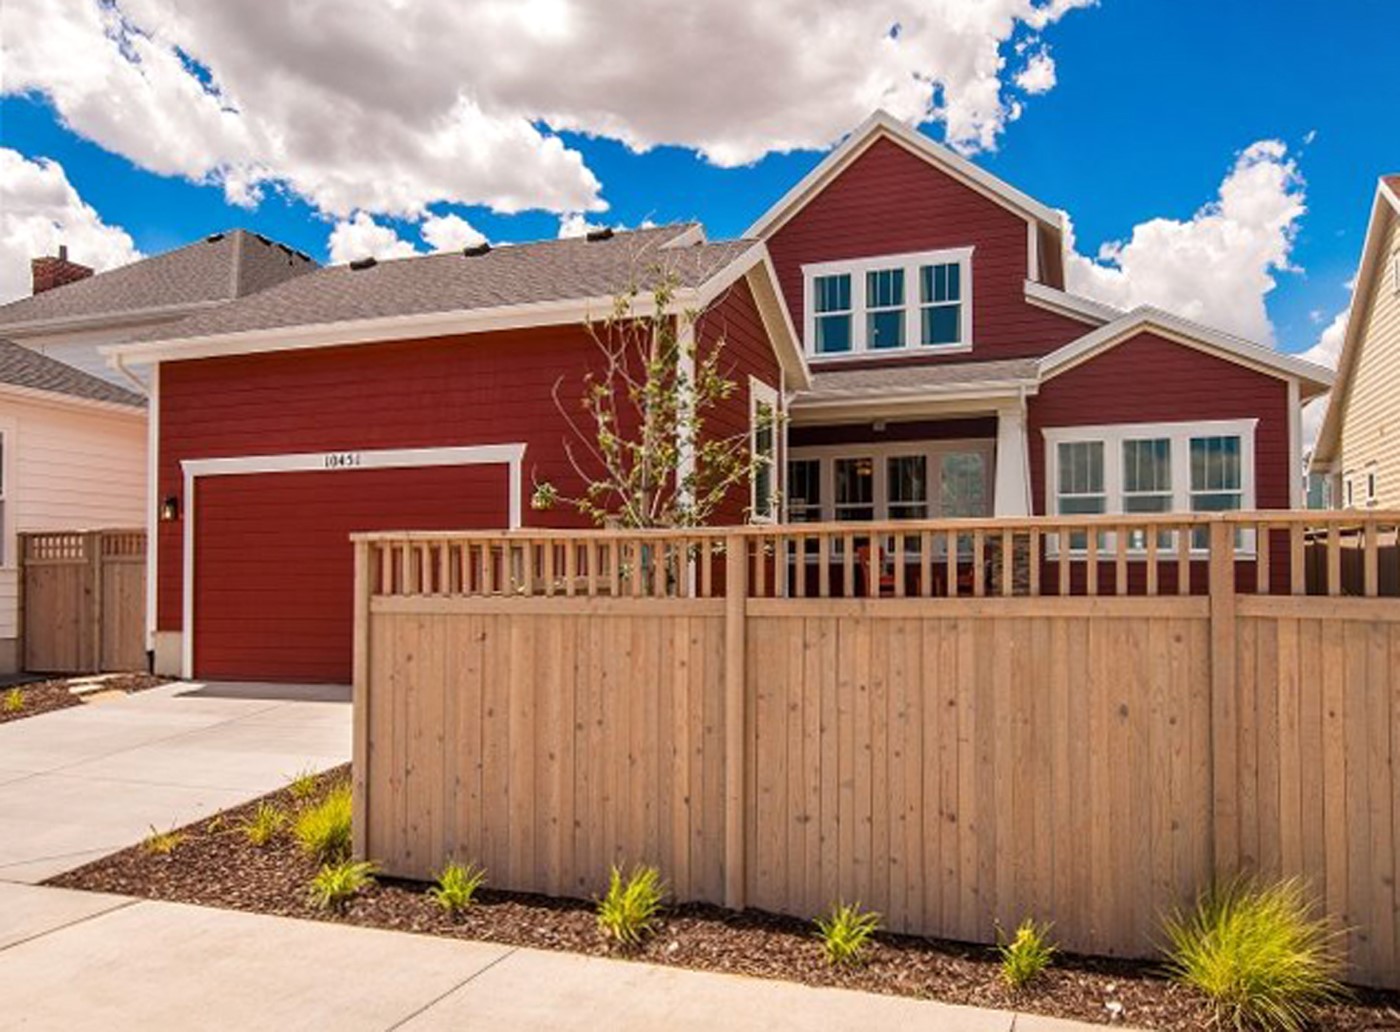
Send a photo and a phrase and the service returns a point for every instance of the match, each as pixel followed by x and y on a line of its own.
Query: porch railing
pixel 1271 553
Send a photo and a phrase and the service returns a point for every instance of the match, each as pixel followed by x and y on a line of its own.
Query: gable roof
pixel 519 285
pixel 883 125
pixel 30 371
pixel 1384 207
pixel 210 271
pixel 1313 379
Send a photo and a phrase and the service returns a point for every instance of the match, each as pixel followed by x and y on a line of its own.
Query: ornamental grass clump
pixel 627 912
pixel 262 827
pixel 1258 954
pixel 13 701
pixel 323 829
pixel 335 883
pixel 161 843
pixel 303 785
pixel 1026 956
pixel 846 931
pixel 456 887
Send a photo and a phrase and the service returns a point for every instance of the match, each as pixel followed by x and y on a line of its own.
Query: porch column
pixel 1012 492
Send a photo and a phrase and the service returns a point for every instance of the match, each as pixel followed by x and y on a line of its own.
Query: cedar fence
pixel 957 723
pixel 82 601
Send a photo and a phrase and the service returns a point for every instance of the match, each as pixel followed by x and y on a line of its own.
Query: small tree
pixel 641 445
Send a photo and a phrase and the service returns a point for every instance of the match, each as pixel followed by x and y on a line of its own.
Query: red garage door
pixel 273 570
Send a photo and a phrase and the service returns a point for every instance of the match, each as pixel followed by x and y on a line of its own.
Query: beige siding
pixel 1370 429
pixel 67 468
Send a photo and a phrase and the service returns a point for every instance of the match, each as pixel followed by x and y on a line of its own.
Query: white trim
pixel 510 455
pixel 933 450
pixel 1297 498
pixel 1112 436
pixel 1183 331
pixel 881 124
pixel 777 320
pixel 761 393
pixel 9 537
pixel 1074 306
pixel 106 320
pixel 152 506
pixel 910 263
pixel 1011 491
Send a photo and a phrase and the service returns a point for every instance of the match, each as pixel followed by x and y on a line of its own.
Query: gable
pixel 887 200
pixel 1369 418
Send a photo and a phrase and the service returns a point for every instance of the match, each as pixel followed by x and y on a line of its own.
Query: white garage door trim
pixel 510 455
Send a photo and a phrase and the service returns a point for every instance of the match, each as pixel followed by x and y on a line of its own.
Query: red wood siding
pixel 747 353
pixel 274 565
pixel 888 201
pixel 1147 379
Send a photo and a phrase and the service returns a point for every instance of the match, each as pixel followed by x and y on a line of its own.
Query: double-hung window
pixel 890 304
pixel 1147 482
pixel 854 495
pixel 906 486
pixel 832 308
pixel 884 309
pixel 940 304
pixel 804 493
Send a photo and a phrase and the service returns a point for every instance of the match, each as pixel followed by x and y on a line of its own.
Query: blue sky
pixel 1151 105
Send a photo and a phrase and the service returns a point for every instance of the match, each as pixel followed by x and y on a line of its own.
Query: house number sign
pixel 342 460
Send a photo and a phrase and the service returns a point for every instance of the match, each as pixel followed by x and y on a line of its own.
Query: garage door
pixel 273 564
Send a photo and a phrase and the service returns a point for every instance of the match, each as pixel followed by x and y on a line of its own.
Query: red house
pixel 905 308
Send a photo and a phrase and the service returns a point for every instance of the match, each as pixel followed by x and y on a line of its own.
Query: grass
pixel 845 932
pixel 13 701
pixel 323 829
pixel 162 843
pixel 335 883
pixel 456 886
pixel 628 910
pixel 304 784
pixel 1258 955
pixel 262 827
pixel 1027 955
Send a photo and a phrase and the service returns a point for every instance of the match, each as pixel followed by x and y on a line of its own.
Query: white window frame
pixel 910 263
pixel 932 452
pixel 1179 434
pixel 1372 475
pixel 761 393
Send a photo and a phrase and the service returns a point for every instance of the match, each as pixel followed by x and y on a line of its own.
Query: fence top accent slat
pixel 1271 517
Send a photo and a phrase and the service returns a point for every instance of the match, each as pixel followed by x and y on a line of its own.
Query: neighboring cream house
pixel 1359 445
pixel 74 441
pixel 72 457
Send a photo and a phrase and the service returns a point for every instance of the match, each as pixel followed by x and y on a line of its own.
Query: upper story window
pixel 894 304
pixel 763 445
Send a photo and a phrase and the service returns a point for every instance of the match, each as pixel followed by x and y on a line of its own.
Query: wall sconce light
pixel 170 509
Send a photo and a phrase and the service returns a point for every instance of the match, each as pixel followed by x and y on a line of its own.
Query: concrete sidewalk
pixel 80 783
pixel 75 961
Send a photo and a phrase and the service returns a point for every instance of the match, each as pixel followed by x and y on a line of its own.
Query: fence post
pixel 1224 705
pixel 92 549
pixel 736 590
pixel 360 704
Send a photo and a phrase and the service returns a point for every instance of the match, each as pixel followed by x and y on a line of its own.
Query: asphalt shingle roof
pixel 218 268
pixel 553 270
pixel 21 367
pixel 891 381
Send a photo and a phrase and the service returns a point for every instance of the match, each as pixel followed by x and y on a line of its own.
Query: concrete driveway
pixel 83 782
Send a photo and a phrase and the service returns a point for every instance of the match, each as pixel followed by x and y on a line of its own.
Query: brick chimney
pixel 50 272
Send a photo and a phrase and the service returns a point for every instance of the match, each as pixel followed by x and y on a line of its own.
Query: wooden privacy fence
pixel 1086 721
pixel 82 601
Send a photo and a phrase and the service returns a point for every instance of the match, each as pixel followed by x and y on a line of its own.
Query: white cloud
pixel 450 233
pixel 1328 348
pixel 1039 74
pixel 388 107
pixel 575 224
pixel 362 237
pixel 1217 266
pixel 42 210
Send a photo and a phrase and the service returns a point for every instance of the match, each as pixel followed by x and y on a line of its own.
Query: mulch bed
pixel 214 865
pixel 47 696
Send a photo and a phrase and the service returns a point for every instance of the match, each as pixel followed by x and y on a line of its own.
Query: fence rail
pixel 82 601
pixel 1274 553
pixel 1091 747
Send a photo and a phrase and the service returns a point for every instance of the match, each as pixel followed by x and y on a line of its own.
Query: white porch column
pixel 1012 492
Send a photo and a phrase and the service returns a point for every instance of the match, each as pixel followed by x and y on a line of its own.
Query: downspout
pixel 152 393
